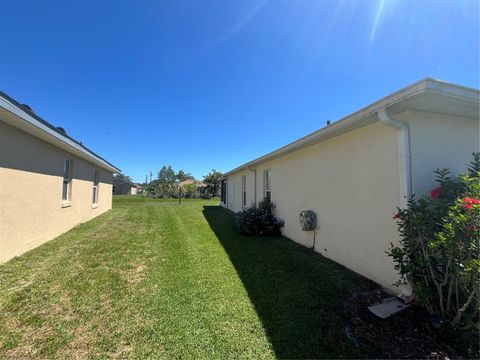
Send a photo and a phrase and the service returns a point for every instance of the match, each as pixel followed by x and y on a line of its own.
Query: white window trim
pixel 267 189
pixel 68 201
pixel 95 188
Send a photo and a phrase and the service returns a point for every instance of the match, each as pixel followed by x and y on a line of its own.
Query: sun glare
pixel 378 15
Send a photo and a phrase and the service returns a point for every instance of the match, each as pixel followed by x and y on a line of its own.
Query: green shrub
pixel 439 248
pixel 190 191
pixel 258 220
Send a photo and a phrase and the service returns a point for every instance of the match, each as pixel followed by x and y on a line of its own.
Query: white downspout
pixel 404 158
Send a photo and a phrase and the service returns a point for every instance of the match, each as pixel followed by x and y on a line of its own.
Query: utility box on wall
pixel 308 220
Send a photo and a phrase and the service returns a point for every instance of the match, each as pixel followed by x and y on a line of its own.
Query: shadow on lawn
pixel 298 294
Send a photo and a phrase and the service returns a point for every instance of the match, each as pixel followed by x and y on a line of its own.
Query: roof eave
pixel 26 122
pixel 365 116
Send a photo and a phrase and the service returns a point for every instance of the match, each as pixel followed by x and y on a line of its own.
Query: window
pixel 244 190
pixel 223 193
pixel 96 180
pixel 67 181
pixel 267 184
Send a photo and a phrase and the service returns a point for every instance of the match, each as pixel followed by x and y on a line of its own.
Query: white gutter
pixel 40 130
pixel 404 158
pixel 368 115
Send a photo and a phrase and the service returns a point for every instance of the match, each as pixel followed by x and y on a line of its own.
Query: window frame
pixel 95 187
pixel 223 191
pixel 267 184
pixel 67 182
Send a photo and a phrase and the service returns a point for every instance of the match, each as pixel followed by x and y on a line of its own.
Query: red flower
pixel 469 202
pixel 435 192
pixel 396 216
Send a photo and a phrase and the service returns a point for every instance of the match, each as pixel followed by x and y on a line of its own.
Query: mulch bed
pixel 408 334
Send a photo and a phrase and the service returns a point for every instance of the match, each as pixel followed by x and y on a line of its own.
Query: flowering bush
pixel 258 220
pixel 439 248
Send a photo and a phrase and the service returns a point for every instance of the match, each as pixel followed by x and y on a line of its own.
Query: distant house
pixel 123 187
pixel 49 182
pixel 192 188
pixel 355 172
pixel 195 182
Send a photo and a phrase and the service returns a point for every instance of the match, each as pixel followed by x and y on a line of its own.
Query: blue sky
pixel 212 84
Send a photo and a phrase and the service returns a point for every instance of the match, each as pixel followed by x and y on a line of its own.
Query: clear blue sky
pixel 212 84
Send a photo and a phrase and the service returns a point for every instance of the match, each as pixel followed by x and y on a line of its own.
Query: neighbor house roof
pixel 192 181
pixel 20 117
pixel 424 95
pixel 126 182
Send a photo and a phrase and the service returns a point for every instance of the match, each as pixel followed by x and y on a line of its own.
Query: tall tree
pixel 212 180
pixel 182 176
pixel 122 177
pixel 166 182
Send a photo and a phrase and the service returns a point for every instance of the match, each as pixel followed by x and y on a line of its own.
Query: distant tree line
pixel 122 177
pixel 171 184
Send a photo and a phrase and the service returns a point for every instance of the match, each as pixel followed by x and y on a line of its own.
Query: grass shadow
pixel 297 294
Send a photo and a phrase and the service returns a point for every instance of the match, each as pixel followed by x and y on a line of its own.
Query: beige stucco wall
pixel 31 178
pixel 352 183
pixel 438 141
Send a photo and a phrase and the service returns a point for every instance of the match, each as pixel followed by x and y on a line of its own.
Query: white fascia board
pixel 366 116
pixel 453 90
pixel 40 130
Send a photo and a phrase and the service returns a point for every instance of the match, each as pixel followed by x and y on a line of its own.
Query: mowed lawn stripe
pixel 205 310
pixel 155 279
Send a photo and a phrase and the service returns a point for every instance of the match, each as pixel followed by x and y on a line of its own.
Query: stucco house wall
pixel 31 181
pixel 438 141
pixel 352 182
pixel 32 211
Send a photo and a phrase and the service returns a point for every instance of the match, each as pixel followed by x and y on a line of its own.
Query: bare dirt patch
pixel 133 275
pixel 27 348
pixel 60 310
pixel 123 351
pixel 83 340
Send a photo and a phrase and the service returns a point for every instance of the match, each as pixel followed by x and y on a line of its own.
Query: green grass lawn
pixel 155 279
